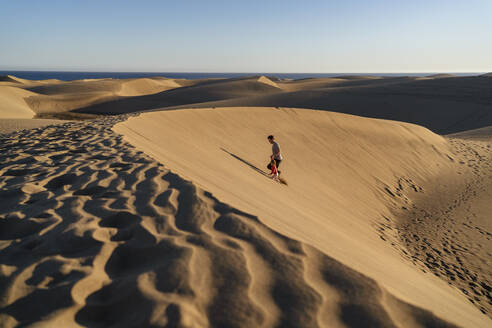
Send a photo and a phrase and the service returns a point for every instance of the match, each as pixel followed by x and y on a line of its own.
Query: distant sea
pixel 68 76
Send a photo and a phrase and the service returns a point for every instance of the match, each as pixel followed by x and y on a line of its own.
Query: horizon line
pixel 232 72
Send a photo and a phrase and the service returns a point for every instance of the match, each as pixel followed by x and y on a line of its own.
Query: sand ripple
pixel 95 233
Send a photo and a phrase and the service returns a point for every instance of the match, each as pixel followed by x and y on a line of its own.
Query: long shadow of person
pixel 247 163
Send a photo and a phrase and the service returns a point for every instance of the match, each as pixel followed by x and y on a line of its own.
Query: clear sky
pixel 319 36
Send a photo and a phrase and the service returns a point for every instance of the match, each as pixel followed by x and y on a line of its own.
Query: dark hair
pixel 270 137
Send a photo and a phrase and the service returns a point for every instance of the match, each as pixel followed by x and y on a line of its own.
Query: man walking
pixel 276 155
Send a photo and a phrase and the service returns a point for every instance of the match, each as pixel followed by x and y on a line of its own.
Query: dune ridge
pixel 347 175
pixel 8 78
pixel 266 80
pixel 104 235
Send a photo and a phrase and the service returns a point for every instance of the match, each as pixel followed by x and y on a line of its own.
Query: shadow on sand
pixel 282 180
pixel 247 163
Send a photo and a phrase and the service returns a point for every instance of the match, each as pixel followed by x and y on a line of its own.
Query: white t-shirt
pixel 275 149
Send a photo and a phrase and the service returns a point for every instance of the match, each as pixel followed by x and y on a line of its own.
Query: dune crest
pixel 104 235
pixel 440 76
pixel 140 87
pixel 8 78
pixel 347 176
pixel 264 79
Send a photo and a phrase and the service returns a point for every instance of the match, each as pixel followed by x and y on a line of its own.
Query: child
pixel 274 172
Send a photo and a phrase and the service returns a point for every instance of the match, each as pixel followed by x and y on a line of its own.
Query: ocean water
pixel 68 76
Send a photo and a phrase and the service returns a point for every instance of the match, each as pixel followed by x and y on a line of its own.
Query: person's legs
pixel 278 161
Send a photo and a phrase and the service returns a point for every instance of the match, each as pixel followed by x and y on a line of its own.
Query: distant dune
pixel 359 77
pixel 14 79
pixel 475 134
pixel 445 105
pixel 440 76
pixel 438 102
pixel 264 79
pixel 7 78
pixel 201 92
pixel 53 96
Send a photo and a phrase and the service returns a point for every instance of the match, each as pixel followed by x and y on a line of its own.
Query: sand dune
pixel 216 92
pixel 8 79
pixel 347 176
pixel 140 87
pixel 206 91
pixel 111 237
pixel 444 105
pixel 264 79
pixel 13 104
pixel 382 224
pixel 440 76
pixel 26 82
pixel 98 85
pixel 483 134
pixel 311 83
pixel 25 98
pixel 359 77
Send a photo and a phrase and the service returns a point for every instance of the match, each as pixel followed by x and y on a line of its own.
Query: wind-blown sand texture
pixel 9 125
pixel 103 235
pixel 383 223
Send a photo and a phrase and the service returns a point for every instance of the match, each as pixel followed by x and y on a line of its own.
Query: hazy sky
pixel 247 36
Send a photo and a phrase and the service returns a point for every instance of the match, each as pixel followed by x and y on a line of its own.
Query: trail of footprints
pixel 94 232
pixel 444 241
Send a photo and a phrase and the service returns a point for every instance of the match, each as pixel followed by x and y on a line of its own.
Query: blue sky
pixel 247 36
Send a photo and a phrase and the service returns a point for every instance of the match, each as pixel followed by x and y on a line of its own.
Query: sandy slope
pixel 94 233
pixel 450 233
pixel 17 81
pixel 13 104
pixel 349 178
pixel 20 98
pixel 483 134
